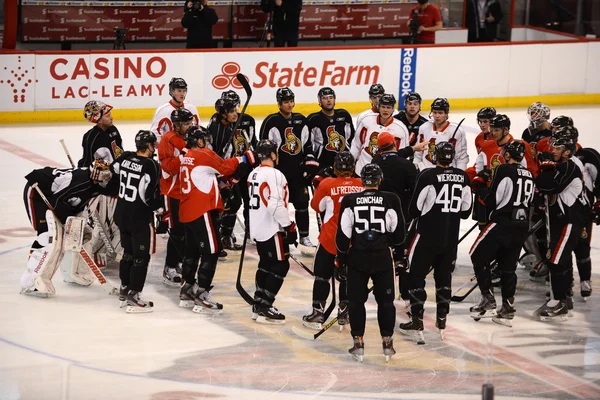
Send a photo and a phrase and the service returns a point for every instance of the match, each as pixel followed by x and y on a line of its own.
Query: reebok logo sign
pixel 408 69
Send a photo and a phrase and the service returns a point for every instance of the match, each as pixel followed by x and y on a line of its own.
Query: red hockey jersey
pixel 169 149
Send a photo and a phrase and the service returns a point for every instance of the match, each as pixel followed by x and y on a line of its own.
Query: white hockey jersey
pixel 369 112
pixel 161 123
pixel 364 144
pixel 268 190
pixel 427 133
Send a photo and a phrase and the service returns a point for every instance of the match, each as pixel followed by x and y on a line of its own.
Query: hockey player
pixel 484 117
pixel 199 211
pixel 102 142
pixel 375 92
pixel 69 191
pixel 543 145
pixel 139 198
pixel 411 117
pixel 442 196
pixel 169 150
pixel 508 200
pixel 331 129
pixel 271 228
pixel 539 126
pixel 289 130
pixel 364 144
pixel 439 129
pixel 561 180
pixel 227 144
pixel 372 221
pixel 161 122
pixel 327 199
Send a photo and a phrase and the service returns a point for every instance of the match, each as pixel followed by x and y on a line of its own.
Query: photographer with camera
pixel 423 21
pixel 286 20
pixel 198 19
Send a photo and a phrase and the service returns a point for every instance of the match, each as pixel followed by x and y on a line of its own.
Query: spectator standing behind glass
pixel 482 19
pixel 430 21
pixel 286 20
pixel 198 19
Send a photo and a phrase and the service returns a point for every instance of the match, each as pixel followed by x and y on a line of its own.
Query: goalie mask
pixel 538 113
pixel 94 110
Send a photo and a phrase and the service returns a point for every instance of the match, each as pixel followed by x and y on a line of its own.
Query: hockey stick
pixel 64 146
pixel 238 282
pixel 456 130
pixel 459 298
pixel 300 263
pixel 244 82
pixel 111 290
pixel 309 336
pixel 467 233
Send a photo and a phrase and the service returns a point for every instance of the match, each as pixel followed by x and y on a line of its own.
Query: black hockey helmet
pixel 516 149
pixel 225 106
pixel 143 139
pixel 264 148
pixel 387 99
pixel 371 175
pixel 441 103
pixel 562 121
pixel 413 96
pixel 500 121
pixel 180 115
pixel 232 96
pixel 176 83
pixel 376 90
pixel 284 94
pixel 197 132
pixel 486 113
pixel 444 152
pixel 343 161
pixel 566 136
pixel 325 91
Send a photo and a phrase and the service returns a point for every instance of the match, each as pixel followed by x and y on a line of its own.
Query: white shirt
pixel 364 144
pixel 427 133
pixel 268 190
pixel 161 123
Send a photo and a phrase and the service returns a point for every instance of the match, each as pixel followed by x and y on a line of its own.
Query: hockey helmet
pixel 325 91
pixel 413 96
pixel 176 83
pixel 371 175
pixel 486 113
pixel 516 149
pixel 232 96
pixel 343 161
pixel 444 152
pixel 566 136
pixel 376 90
pixel 387 99
pixel 197 132
pixel 143 139
pixel 180 115
pixel 441 103
pixel 225 106
pixel 284 94
pixel 538 113
pixel 500 121
pixel 94 110
pixel 561 121
pixel 264 148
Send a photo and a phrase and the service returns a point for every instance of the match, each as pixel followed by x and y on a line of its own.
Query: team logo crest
pixel 372 147
pixel 239 143
pixel 495 161
pixel 292 143
pixel 430 151
pixel 336 141
pixel 584 234
pixel 117 151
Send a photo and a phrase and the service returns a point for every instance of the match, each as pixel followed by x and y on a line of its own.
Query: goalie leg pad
pixel 78 235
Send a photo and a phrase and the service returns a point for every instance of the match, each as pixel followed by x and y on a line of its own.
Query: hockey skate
pixel 314 320
pixel 559 311
pixel 440 324
pixel 135 303
pixel 506 313
pixel 222 255
pixel 570 305
pixel 485 309
pixel 358 349
pixel 34 292
pixel 204 303
pixel 413 327
pixel 123 296
pixel 539 272
pixel 387 343
pixel 171 276
pixel 342 316
pixel 230 243
pixel 585 289
pixel 528 260
pixel 186 295
pixel 269 315
pixel 306 247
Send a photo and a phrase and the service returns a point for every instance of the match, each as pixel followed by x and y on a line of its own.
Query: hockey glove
pixel 251 158
pixel 341 270
pixel 481 179
pixel 596 213
pixel 548 165
pixel 290 234
pixel 311 166
pixel 162 223
pixel 321 175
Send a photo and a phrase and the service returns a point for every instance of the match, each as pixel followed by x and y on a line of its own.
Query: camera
pixel 120 34
pixel 414 26
pixel 196 5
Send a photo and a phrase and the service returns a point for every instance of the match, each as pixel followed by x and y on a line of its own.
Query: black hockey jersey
pixel 510 195
pixel 371 222
pixel 534 137
pixel 139 190
pixel 399 176
pixel 413 129
pixel 330 135
pixel 564 188
pixel 442 196
pixel 293 138
pixel 590 159
pixel 98 144
pixel 228 144
pixel 69 191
